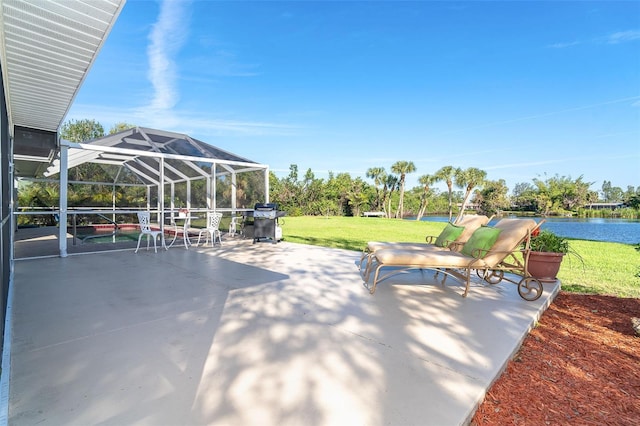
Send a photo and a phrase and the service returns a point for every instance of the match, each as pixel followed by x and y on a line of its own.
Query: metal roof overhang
pixel 47 49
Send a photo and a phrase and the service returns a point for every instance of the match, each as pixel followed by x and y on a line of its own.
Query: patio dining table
pixel 186 222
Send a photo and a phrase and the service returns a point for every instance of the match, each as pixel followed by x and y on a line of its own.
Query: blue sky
pixel 522 90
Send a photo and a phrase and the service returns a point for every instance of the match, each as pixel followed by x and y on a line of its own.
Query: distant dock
pixel 374 214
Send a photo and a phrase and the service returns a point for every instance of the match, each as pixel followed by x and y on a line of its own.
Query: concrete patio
pixel 252 334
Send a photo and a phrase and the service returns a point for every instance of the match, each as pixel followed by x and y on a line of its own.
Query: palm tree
pixel 426 181
pixel 468 179
pixel 379 176
pixel 402 168
pixel 390 185
pixel 446 174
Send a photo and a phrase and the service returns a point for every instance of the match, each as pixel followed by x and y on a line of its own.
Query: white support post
pixel 173 197
pixel 113 196
pixel 266 185
pixel 214 186
pixel 189 195
pixel 64 179
pixel 161 196
pixel 113 204
pixel 209 193
pixel 234 183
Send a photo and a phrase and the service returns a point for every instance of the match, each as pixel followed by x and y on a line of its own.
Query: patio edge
pixel 515 350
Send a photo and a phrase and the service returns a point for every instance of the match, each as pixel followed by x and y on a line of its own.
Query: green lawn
pixel 609 268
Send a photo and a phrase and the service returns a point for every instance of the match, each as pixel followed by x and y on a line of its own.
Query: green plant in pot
pixel 546 251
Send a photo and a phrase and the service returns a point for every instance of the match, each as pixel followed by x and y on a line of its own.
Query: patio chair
pixel 490 258
pixel 144 220
pixel 212 230
pixel 452 236
pixel 235 226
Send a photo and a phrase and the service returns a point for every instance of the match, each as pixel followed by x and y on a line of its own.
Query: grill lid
pixel 265 206
pixel 265 214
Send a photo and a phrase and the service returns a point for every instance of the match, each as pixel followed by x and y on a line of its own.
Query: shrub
pixel 547 241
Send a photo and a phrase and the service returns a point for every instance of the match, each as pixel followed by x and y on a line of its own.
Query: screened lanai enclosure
pixel 111 178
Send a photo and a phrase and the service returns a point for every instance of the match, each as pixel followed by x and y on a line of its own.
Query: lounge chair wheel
pixel 492 277
pixel 530 289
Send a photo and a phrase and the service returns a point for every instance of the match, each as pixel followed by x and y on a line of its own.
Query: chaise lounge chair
pixel 489 252
pixel 452 236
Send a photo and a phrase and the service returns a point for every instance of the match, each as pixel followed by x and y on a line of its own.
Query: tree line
pixel 342 194
pixel 383 191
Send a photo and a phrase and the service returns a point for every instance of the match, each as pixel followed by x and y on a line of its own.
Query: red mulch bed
pixel 579 366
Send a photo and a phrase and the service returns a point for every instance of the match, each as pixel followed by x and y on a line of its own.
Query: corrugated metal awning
pixel 47 47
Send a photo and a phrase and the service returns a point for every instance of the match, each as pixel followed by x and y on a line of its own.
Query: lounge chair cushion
pixel 481 241
pixel 373 246
pixel 425 258
pixel 449 234
pixel 471 222
pixel 514 232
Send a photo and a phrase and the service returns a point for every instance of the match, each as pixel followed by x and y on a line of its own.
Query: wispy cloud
pixel 193 124
pixel 224 63
pixel 189 122
pixel 563 45
pixel 522 165
pixel 167 36
pixel 622 36
pixel 220 59
pixel 542 115
pixel 613 38
pixel 568 160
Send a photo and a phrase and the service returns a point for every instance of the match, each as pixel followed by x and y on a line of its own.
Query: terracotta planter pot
pixel 544 266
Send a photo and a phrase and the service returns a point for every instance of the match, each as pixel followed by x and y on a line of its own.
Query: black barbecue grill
pixel 265 222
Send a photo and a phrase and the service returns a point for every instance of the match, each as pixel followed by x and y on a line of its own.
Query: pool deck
pixel 269 334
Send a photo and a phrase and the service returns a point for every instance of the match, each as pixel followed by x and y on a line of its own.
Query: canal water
pixel 597 229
